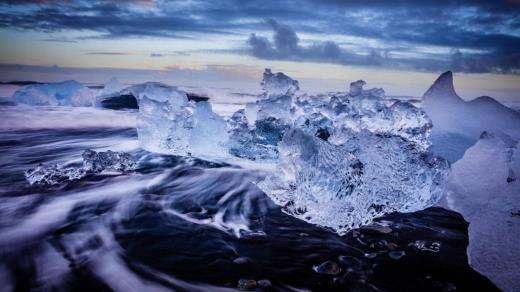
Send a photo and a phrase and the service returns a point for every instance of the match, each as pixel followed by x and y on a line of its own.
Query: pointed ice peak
pixel 112 86
pixel 356 88
pixel 442 88
pixel 278 84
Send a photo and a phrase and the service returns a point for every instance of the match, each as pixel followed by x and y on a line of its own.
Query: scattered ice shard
pixel 93 162
pixel 53 174
pixel 480 189
pixel 458 124
pixel 169 123
pixel 67 93
pixel 345 186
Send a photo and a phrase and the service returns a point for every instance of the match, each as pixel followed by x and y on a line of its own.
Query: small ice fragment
pixel 95 162
pixel 246 284
pixel 53 174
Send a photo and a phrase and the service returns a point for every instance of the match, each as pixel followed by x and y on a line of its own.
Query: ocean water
pixel 183 224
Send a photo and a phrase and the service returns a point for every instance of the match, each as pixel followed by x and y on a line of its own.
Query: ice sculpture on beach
pixel 66 93
pixel 343 159
pixel 169 123
pixel 347 185
pixel 93 162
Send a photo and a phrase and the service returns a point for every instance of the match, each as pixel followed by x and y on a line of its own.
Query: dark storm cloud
pixel 286 46
pixel 476 36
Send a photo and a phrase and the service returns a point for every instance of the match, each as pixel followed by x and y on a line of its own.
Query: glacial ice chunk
pixel 165 119
pixel 255 131
pixel 481 189
pixel 66 93
pixel 169 123
pixel 347 185
pixel 93 162
pixel 458 124
pixel 278 84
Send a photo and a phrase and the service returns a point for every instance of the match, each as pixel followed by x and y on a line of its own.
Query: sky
pixel 400 45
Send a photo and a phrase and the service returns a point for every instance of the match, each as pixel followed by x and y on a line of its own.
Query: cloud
pixel 380 32
pixel 156 55
pixel 285 45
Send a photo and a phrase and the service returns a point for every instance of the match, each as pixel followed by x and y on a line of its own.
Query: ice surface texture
pixel 255 131
pixel 68 93
pixel 93 162
pixel 485 188
pixel 169 123
pixel 346 186
pixel 53 174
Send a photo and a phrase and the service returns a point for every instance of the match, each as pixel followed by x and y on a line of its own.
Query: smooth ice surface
pixel 169 123
pixel 484 187
pixel 68 93
pixel 93 162
pixel 345 186
pixel 209 137
pixel 458 124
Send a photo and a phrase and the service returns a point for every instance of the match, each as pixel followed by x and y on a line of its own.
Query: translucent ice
pixel 278 84
pixel 255 131
pixel 53 174
pixel 366 110
pixel 169 123
pixel 256 142
pixel 209 136
pixel 346 186
pixel 68 93
pixel 93 162
pixel 165 119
